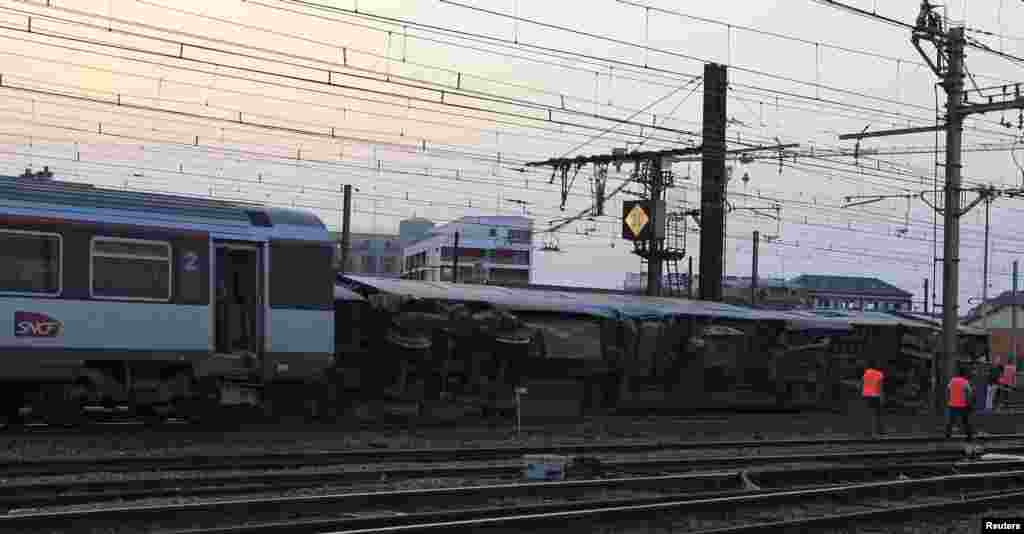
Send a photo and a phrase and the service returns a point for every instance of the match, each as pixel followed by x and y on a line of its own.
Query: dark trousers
pixel 963 414
pixel 875 408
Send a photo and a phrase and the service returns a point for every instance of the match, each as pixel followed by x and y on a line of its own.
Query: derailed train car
pixel 582 350
pixel 405 341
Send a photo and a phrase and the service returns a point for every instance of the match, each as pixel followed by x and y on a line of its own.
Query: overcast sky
pixel 530 96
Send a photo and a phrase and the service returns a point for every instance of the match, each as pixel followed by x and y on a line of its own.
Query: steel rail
pixel 278 460
pixel 953 506
pixel 15 493
pixel 535 517
pixel 517 518
pixel 356 503
pixel 718 484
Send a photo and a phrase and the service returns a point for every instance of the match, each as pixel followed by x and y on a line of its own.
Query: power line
pixel 647 107
pixel 733 26
pixel 344 109
pixel 371 169
pixel 405 24
pixel 661 51
pixel 830 249
pixel 459 73
pixel 326 70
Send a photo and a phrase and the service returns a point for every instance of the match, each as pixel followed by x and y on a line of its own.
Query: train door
pixel 238 290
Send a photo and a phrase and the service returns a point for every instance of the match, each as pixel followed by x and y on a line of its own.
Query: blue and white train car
pixel 119 297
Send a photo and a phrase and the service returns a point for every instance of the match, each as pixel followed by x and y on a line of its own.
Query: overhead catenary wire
pixel 96 15
pixel 400 21
pixel 662 51
pixel 405 22
pixel 463 179
pixel 378 169
pixel 829 249
pixel 462 75
pixel 456 177
pixel 325 67
pixel 163 80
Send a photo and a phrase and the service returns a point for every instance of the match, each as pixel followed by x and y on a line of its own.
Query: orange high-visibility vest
pixel 958 392
pixel 873 383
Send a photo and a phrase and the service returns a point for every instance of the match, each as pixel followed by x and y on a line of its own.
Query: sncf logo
pixel 32 324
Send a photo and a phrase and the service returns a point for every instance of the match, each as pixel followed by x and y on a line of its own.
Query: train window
pixel 131 269
pixel 30 262
pixel 300 276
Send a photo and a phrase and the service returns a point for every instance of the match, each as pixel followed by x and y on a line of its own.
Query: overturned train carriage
pixel 393 343
pixel 576 350
pixel 156 301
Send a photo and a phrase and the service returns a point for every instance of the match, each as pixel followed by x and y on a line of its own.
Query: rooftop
pixel 848 284
pixel 1006 298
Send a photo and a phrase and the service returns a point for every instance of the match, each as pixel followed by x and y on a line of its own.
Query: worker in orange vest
pixel 960 397
pixel 872 393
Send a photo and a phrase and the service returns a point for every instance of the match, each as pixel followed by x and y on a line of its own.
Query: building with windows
pixel 852 293
pixel 775 293
pixel 380 254
pixel 370 254
pixel 491 249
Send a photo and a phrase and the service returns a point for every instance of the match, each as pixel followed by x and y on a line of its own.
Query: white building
pixel 492 249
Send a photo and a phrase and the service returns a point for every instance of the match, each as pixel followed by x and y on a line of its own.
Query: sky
pixel 432 108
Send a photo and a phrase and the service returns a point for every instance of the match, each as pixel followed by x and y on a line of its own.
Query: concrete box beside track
pixel 545 466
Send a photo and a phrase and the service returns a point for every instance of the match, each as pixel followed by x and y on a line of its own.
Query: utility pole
pixel 455 260
pixel 1013 318
pixel 689 280
pixel 713 182
pixel 926 310
pixel 654 246
pixel 346 227
pixel 954 85
pixel 753 276
pixel 948 65
pixel 984 284
pixel 1013 308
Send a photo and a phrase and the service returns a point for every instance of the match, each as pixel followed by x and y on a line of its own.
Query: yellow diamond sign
pixel 637 219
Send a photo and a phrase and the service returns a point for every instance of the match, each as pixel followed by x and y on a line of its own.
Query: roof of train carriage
pixel 44 197
pixel 597 304
pixel 836 318
pixel 937 322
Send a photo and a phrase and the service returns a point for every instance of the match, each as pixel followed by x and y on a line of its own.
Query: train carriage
pixel 610 350
pixel 156 301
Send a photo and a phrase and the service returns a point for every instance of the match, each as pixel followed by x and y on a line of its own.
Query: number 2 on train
pixel 191 262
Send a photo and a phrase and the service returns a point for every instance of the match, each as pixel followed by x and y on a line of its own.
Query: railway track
pixel 380 456
pixel 733 513
pixel 726 496
pixel 21 493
